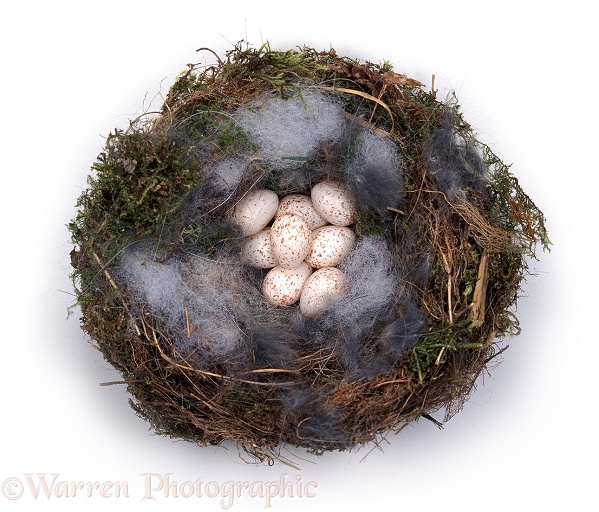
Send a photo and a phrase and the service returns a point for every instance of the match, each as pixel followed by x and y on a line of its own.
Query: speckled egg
pixel 255 210
pixel 256 250
pixel 334 202
pixel 300 205
pixel 323 289
pixel 290 237
pixel 283 286
pixel 330 245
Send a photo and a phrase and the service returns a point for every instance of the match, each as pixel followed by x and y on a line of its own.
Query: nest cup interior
pixel 443 232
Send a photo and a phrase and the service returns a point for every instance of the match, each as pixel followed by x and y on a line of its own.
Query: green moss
pixel 140 181
pixel 367 224
pixel 470 274
pixel 437 343
pixel 514 208
pixel 279 69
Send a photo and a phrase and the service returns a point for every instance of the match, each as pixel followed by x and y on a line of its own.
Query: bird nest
pixel 443 234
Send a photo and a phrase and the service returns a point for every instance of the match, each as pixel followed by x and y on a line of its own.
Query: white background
pixel 526 76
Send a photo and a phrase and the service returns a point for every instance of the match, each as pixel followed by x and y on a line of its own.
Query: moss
pixel 366 224
pixel 514 208
pixel 438 343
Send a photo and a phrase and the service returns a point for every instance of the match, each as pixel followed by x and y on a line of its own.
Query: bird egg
pixel 255 210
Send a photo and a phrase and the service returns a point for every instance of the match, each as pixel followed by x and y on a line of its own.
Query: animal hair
pixel 315 419
pixel 374 172
pixel 202 300
pixel 288 132
pixel 454 162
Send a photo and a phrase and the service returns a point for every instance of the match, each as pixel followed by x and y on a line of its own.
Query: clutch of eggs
pixel 307 239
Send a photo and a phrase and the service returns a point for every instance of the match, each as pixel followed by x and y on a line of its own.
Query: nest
pixel 454 233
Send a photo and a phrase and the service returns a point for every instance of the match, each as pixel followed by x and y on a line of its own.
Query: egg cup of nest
pixel 299 249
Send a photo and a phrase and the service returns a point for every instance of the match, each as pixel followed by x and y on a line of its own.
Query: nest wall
pixel 444 234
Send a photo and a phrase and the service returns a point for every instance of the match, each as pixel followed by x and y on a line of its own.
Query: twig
pixel 187 324
pixel 220 62
pixel 363 95
pixel 391 209
pixel 489 359
pixel 441 352
pixel 206 373
pixel 366 124
pixel 449 303
pixel 110 280
pixel 114 382
pixel 479 297
pixel 433 420
pixel 113 284
pixel 395 381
